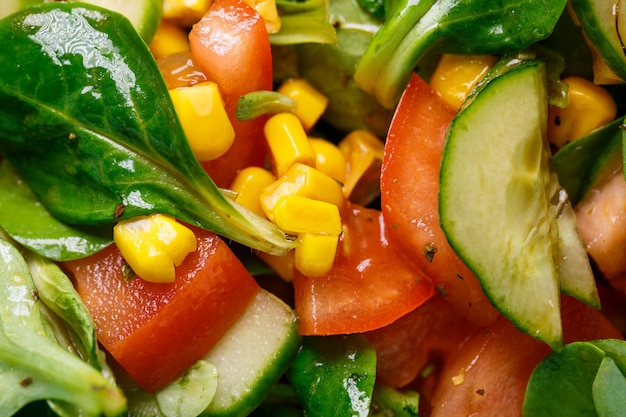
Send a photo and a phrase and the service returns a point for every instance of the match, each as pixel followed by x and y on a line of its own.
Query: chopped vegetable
pixel 366 295
pixel 589 107
pixel 248 50
pixel 33 365
pixel 207 127
pixel 288 142
pixel 334 378
pixel 154 330
pixel 154 245
pixel 410 185
pixel 490 373
pixel 467 26
pixel 123 151
pixel 310 103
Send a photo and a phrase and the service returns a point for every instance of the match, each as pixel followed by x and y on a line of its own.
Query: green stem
pixel 394 50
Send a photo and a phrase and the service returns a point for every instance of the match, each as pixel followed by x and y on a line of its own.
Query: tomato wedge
pixel 157 331
pixel 488 376
pixel 409 189
pixel 231 46
pixel 426 335
pixel 369 286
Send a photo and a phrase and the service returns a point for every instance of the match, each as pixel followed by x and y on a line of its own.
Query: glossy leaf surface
pixel 87 121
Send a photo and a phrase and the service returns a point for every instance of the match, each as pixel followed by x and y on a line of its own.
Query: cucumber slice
pixel 605 29
pixel 495 196
pixel 253 355
pixel 145 15
pixel 574 268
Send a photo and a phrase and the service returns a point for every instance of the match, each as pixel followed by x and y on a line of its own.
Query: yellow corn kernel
pixel 456 75
pixel 185 12
pixel 288 142
pixel 310 103
pixel 304 181
pixel 282 265
pixel 315 254
pixel 249 184
pixel 153 245
pixel 329 159
pixel 168 40
pixel 364 156
pixel 267 9
pixel 200 109
pixel 589 107
pixel 296 214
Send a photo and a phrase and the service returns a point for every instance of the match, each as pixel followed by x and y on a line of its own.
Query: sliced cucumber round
pixel 251 357
pixel 495 199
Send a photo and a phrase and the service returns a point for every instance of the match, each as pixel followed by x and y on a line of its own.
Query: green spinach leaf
pixel 24 219
pixel 86 119
pixel 334 376
pixel 413 27
pixel 585 379
pixel 580 164
pixel 56 291
pixel 33 365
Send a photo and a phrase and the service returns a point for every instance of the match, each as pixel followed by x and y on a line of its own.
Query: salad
pixel 312 208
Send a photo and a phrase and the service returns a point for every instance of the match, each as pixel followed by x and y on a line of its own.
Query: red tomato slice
pixel 157 331
pixel 488 376
pixel 369 286
pixel 231 46
pixel 427 334
pixel 409 187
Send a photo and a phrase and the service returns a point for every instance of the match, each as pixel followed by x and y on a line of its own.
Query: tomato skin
pixel 492 369
pixel 369 286
pixel 430 332
pixel 157 331
pixel 231 46
pixel 409 197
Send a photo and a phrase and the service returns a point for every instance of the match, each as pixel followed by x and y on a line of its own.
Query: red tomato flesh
pixel 231 46
pixel 410 185
pixel 369 286
pixel 429 333
pixel 157 331
pixel 488 376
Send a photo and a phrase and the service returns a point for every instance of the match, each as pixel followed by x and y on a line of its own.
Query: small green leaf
pixel 585 379
pixel 579 162
pixel 56 291
pixel 609 389
pixel 561 385
pixel 33 366
pixel 27 221
pixel 334 376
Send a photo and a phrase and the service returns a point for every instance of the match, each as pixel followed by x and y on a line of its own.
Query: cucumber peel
pixel 502 209
pixel 605 28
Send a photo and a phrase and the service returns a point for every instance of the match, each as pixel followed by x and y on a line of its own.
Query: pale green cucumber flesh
pixel 253 355
pixel 605 29
pixel 495 204
pixel 577 279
